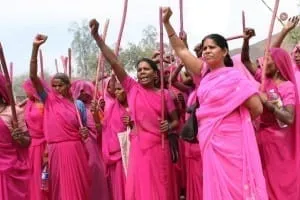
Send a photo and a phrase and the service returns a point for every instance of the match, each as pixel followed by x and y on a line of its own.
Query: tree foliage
pixel 84 48
pixel 86 52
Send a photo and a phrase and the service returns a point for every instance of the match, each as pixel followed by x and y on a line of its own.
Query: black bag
pixel 190 129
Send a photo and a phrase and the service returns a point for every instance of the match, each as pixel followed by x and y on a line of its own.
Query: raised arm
pixel 245 55
pixel 291 24
pixel 180 86
pixel 38 41
pixel 190 61
pixel 109 55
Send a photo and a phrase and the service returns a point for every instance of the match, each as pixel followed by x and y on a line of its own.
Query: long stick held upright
pixel 243 21
pixel 70 62
pixel 181 15
pixel 9 88
pixel 56 65
pixel 100 66
pixel 117 49
pixel 268 44
pixel 41 64
pixel 11 72
pixel 161 45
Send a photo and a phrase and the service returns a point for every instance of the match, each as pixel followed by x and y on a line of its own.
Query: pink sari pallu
pixel 231 162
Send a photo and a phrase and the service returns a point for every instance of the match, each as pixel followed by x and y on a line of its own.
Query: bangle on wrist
pixel 171 35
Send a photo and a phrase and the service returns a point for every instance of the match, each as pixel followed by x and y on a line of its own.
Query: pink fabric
pixel 193 163
pixel 112 125
pixel 34 113
pixel 79 85
pixel 279 147
pixel 150 171
pixel 68 163
pixel 229 150
pixel 14 165
pixel 99 187
pixel 237 63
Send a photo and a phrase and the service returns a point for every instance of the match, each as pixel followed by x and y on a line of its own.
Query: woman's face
pixel 296 57
pixel 85 97
pixel 120 93
pixel 60 87
pixel 213 54
pixel 145 74
pixel 271 68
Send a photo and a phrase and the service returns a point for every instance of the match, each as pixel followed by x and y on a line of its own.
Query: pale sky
pixel 21 20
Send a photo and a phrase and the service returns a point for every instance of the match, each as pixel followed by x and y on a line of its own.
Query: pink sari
pixel 34 113
pixel 112 125
pixel 193 162
pixel 98 186
pixel 150 171
pixel 231 162
pixel 278 146
pixel 68 159
pixel 14 166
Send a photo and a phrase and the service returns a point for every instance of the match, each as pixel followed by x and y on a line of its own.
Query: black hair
pixel 222 43
pixel 63 77
pixel 152 64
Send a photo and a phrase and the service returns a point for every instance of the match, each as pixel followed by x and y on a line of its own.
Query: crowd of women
pixel 238 140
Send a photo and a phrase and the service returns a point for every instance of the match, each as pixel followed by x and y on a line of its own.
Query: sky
pixel 21 20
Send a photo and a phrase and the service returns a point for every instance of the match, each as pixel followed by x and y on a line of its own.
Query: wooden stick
pixel 235 37
pixel 9 87
pixel 100 66
pixel 41 64
pixel 268 43
pixel 11 71
pixel 243 21
pixel 56 65
pixel 181 15
pixel 270 9
pixel 161 45
pixel 64 61
pixel 117 49
pixel 70 63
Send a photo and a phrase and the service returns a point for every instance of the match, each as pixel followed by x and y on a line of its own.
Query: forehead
pixel 57 81
pixel 209 41
pixel 144 64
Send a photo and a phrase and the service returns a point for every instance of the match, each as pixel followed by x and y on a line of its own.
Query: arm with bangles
pixel 285 114
pixel 38 41
pixel 190 61
pixel 109 55
pixel 290 25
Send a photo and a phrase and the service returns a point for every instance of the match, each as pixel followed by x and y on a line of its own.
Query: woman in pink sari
pixel 84 90
pixel 150 168
pixel 116 108
pixel 231 162
pixel 14 143
pixel 68 161
pixel 279 124
pixel 295 54
pixel 34 115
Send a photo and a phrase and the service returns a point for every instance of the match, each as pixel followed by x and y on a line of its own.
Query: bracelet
pixel 172 34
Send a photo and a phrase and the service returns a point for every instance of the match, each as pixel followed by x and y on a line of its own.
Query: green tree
pixel 86 52
pixel 84 49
